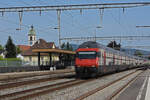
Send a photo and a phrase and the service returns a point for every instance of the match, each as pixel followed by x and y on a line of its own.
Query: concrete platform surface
pixel 32 73
pixel 139 89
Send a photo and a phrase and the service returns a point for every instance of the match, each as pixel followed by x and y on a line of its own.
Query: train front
pixel 87 62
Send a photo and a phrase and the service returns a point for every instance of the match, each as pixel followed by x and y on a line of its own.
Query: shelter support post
pixel 50 59
pixel 39 59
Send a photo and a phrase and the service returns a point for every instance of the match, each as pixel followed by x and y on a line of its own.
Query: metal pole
pixel 20 19
pixel 95 35
pixel 58 18
pixel 50 59
pixel 39 59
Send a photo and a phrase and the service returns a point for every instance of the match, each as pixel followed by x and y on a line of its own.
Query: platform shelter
pixel 50 52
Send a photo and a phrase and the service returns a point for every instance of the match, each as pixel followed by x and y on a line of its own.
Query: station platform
pixel 137 90
pixel 32 73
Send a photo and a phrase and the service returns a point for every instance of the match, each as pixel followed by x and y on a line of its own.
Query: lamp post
pixel 58 18
pixel 57 28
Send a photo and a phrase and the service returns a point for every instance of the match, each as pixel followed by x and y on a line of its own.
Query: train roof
pixel 93 44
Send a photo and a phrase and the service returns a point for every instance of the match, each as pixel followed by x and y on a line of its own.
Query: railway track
pixel 33 80
pixel 18 85
pixel 30 93
pixel 101 88
pixel 35 92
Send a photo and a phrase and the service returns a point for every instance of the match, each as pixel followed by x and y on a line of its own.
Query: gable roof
pixel 39 44
pixel 24 47
pixel 42 44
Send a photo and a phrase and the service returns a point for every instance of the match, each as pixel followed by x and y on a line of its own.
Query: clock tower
pixel 31 36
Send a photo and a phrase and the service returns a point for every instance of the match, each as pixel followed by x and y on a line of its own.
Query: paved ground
pixel 139 89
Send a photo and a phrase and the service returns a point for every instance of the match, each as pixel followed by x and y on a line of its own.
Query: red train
pixel 93 58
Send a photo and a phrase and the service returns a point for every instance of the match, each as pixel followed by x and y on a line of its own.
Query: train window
pixel 98 54
pixel 86 55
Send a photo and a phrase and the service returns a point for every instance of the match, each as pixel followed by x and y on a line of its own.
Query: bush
pixel 7 62
pixel 1 57
pixel 10 59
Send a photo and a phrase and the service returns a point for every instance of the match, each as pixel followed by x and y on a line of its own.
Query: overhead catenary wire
pixel 93 5
pixel 77 26
pixel 67 11
pixel 24 25
pixel 75 7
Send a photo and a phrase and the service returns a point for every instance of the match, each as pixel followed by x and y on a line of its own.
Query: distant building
pixel 2 53
pixel 32 58
pixel 23 48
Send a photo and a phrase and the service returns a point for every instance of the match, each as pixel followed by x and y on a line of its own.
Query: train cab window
pixel 86 55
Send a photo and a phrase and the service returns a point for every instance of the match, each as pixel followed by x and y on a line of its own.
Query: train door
pixel 113 59
pixel 103 61
pixel 102 58
pixel 120 60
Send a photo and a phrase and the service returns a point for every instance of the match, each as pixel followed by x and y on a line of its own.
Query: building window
pixel 42 58
pixel 30 58
pixel 31 38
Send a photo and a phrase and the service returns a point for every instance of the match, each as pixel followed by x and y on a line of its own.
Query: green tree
pixel 138 53
pixel 69 47
pixel 63 46
pixel 66 59
pixel 18 50
pixel 114 45
pixel 1 48
pixel 10 49
pixel 66 46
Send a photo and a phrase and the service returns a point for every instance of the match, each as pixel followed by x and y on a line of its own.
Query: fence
pixel 16 66
pixel 6 63
pixel 19 66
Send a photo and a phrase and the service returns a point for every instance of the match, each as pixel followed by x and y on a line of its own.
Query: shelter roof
pixel 30 53
pixel 53 51
pixel 39 44
pixel 48 47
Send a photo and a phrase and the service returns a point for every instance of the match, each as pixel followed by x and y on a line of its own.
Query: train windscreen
pixel 86 55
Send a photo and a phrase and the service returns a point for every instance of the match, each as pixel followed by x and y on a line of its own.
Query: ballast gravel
pixel 72 93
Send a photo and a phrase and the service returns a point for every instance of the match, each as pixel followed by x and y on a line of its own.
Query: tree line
pixel 114 45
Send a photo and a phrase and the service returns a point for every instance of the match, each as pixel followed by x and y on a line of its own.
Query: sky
pixel 74 24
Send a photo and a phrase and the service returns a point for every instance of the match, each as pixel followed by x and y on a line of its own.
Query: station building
pixel 42 53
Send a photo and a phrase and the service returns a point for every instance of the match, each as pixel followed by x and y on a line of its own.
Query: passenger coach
pixel 93 58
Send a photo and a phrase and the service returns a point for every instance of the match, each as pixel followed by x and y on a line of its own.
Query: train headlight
pixel 93 66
